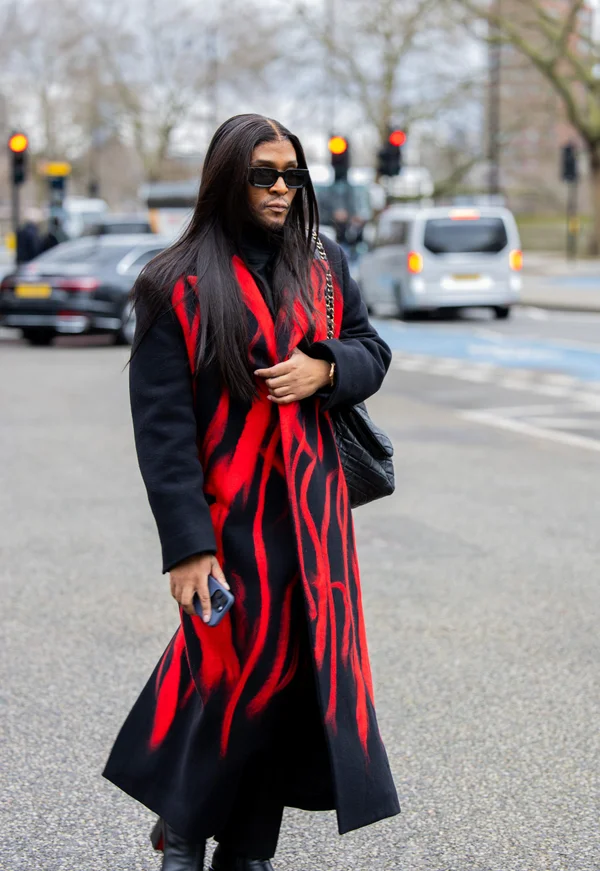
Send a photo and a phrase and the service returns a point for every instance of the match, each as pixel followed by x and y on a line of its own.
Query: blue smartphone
pixel 221 601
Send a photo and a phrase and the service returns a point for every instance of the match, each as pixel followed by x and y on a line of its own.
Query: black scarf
pixel 259 249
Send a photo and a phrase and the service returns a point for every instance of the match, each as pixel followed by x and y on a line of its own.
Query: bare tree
pixel 558 42
pixel 35 74
pixel 167 61
pixel 397 61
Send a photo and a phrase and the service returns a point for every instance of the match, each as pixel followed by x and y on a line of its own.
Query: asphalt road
pixel 480 584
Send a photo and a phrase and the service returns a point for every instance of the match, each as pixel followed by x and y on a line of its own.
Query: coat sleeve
pixel 164 423
pixel 360 355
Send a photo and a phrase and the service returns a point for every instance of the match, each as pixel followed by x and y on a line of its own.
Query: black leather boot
pixel 224 860
pixel 178 854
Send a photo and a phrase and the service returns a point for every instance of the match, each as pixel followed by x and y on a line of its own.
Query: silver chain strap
pixel 329 291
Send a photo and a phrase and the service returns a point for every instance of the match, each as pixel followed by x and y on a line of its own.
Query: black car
pixel 118 225
pixel 78 287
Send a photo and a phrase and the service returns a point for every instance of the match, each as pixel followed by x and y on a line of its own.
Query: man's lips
pixel 277 206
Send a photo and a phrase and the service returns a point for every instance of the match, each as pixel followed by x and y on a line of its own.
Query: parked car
pixel 443 258
pixel 118 225
pixel 81 286
pixel 78 212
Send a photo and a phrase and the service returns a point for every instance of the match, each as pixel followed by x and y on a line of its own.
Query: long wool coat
pixel 262 487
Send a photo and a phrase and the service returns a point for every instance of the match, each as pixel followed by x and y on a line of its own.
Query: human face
pixel 271 206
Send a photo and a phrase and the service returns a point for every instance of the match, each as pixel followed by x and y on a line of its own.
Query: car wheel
pixel 401 312
pixel 502 312
pixel 127 329
pixel 448 314
pixel 39 338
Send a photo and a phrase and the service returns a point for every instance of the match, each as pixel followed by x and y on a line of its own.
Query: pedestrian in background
pixel 232 379
pixel 54 235
pixel 27 241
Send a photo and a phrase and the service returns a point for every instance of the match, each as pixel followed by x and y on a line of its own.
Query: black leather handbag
pixel 365 450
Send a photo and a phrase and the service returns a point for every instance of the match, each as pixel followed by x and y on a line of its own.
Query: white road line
pixel 444 367
pixel 518 379
pixel 472 375
pixel 554 378
pixel 566 422
pixel 552 390
pixel 513 372
pixel 492 335
pixel 410 365
pixel 487 419
pixel 591 399
pixel 536 314
pixel 517 384
pixel 511 410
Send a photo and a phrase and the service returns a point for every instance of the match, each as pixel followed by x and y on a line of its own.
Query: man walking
pixel 233 378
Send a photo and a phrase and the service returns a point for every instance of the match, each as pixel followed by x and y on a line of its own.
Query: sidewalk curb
pixel 559 306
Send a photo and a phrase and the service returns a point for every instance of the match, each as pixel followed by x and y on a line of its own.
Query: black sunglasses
pixel 266 177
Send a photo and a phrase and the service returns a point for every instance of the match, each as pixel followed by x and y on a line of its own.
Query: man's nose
pixel 280 186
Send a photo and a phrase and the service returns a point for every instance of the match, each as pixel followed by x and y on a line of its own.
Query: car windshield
pixel 478 236
pixel 340 196
pixel 90 252
pixel 115 228
pixel 130 227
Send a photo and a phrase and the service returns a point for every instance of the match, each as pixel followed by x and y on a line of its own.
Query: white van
pixel 443 258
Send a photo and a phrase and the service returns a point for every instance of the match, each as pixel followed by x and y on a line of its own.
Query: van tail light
pixel 76 285
pixel 516 260
pixel 415 263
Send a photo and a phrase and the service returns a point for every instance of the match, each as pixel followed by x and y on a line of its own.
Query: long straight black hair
pixel 213 236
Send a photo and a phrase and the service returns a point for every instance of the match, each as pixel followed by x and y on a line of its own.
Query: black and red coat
pixel 260 485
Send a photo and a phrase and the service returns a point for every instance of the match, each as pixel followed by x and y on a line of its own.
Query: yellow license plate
pixel 466 277
pixel 33 291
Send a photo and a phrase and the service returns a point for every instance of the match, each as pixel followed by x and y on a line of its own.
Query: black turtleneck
pixel 259 249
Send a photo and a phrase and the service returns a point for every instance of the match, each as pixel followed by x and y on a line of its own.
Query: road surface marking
pixel 492 335
pixel 516 384
pixel 488 419
pixel 411 365
pixel 472 375
pixel 566 423
pixel 552 390
pixel 554 378
pixel 536 314
pixel 590 399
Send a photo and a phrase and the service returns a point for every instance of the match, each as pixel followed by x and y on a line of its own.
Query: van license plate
pixel 466 277
pixel 33 291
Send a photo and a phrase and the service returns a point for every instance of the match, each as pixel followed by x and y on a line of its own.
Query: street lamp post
pixel 494 106
pixel 330 17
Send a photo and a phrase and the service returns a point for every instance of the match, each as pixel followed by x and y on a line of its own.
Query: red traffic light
pixel 18 143
pixel 397 138
pixel 338 145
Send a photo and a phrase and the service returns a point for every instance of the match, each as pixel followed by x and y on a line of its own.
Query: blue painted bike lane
pixel 504 350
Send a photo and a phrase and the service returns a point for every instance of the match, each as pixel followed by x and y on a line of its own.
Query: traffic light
pixel 17 145
pixel 340 157
pixel 570 169
pixel 389 159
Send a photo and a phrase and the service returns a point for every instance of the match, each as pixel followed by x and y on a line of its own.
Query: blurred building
pixel 532 123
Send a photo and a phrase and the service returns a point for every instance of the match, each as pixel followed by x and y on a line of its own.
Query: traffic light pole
pixel 16 216
pixel 330 64
pixel 572 219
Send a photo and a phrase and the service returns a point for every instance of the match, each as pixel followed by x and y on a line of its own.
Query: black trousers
pixel 252 828
pixel 294 750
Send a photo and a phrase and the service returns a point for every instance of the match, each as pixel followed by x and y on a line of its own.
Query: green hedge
pixel 548 233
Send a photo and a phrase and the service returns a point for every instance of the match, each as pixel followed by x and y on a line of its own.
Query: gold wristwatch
pixel 332 375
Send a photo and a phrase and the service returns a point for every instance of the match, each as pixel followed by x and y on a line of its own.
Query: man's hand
pixel 297 378
pixel 190 577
